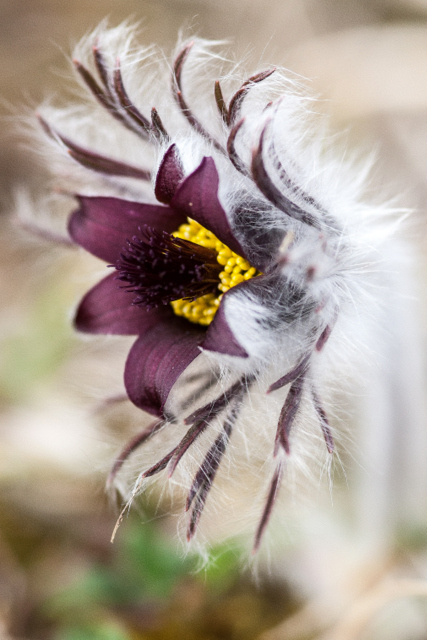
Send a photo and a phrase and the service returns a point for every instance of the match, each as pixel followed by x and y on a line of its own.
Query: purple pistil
pixel 159 268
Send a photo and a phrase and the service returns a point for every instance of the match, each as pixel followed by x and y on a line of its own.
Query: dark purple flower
pixel 154 269
pixel 240 263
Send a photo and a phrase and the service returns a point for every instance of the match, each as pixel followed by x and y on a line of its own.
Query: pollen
pixel 235 270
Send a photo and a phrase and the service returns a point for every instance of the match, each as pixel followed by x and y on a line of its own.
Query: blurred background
pixel 60 578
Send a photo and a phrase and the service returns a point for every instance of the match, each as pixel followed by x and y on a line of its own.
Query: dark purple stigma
pixel 159 268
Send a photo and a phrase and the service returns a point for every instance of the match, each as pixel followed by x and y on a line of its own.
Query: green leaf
pixel 223 567
pixel 36 349
pixel 103 631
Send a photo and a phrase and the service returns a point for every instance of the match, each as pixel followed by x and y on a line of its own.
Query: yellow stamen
pixel 236 269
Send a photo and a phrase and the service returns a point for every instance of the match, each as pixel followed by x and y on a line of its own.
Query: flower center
pixel 158 267
pixel 190 269
pixel 233 270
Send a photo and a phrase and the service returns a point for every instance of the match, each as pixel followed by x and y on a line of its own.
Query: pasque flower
pixel 251 256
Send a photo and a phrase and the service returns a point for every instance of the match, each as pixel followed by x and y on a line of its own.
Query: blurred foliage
pixel 33 351
pixel 146 565
pixel 65 581
pixel 149 589
pixel 103 631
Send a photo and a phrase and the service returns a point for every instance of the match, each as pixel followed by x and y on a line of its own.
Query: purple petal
pixel 223 337
pixel 169 175
pixel 102 225
pixel 178 95
pixel 231 149
pixel 205 476
pixel 197 198
pixel 157 359
pixel 324 422
pixel 93 160
pixel 271 192
pixel 237 99
pixel 131 446
pixel 158 466
pixel 220 102
pixel 292 375
pixel 108 309
pixel 220 337
pixel 192 434
pixel 130 113
pixel 324 337
pixel 210 410
pixel 288 414
pixel 271 499
pixel 173 457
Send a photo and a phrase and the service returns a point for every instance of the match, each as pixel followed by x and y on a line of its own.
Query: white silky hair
pixel 371 361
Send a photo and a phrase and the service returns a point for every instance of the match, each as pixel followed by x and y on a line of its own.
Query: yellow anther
pixel 237 279
pixel 236 269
